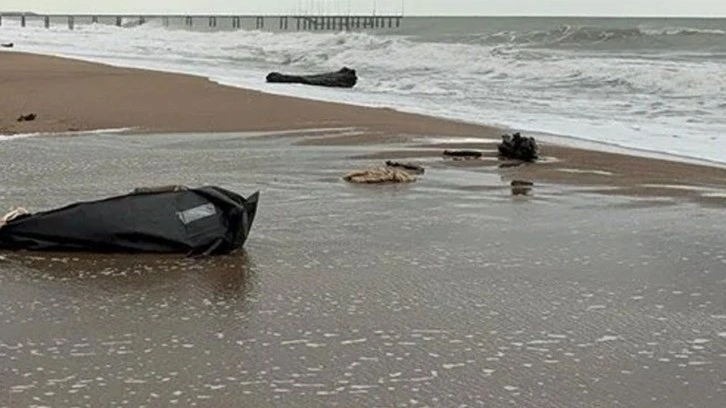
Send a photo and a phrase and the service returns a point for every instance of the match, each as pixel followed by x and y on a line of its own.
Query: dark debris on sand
pixel 414 168
pixel 27 118
pixel 518 147
pixel 463 154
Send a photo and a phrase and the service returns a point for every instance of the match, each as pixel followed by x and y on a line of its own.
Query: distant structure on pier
pixel 293 22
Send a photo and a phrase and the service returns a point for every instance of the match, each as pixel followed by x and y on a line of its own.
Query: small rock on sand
pixel 27 118
pixel 521 187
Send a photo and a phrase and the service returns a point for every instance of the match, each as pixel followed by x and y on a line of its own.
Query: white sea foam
pixel 607 338
pixel 668 100
pixel 70 133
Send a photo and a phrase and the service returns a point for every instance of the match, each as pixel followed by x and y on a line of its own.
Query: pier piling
pixel 303 22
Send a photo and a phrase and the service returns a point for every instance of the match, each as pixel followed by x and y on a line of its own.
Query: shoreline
pixel 570 141
pixel 77 96
pixel 551 138
pixel 62 74
pixel 574 142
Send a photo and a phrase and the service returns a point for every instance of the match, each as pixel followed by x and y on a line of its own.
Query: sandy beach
pixel 448 291
pixel 69 95
pixel 76 95
pixel 601 287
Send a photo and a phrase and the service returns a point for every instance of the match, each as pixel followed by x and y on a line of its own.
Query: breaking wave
pixel 568 36
pixel 634 86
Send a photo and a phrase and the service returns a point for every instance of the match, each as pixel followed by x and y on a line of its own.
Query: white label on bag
pixel 196 213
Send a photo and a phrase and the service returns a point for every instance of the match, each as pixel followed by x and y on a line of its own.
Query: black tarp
pixel 206 220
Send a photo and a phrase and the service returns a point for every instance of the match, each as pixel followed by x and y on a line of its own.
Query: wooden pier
pixel 232 22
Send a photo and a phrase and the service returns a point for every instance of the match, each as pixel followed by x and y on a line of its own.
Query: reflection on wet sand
pixel 449 291
pixel 113 322
pixel 226 277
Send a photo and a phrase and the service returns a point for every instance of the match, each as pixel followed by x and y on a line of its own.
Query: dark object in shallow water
pixel 414 168
pixel 206 220
pixel 7 45
pixel 521 187
pixel 466 154
pixel 518 147
pixel 345 78
pixel 27 118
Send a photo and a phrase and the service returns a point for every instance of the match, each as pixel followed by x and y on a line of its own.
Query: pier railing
pixel 257 22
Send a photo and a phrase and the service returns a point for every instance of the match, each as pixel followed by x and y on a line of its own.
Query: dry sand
pixel 71 95
pixel 75 95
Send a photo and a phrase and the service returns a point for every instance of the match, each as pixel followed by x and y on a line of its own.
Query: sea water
pixel 656 85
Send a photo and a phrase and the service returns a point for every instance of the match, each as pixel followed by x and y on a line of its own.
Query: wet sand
pixel 446 292
pixel 71 95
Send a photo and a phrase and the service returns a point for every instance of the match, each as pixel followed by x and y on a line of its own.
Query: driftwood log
pixel 345 78
pixel 463 154
pixel 410 167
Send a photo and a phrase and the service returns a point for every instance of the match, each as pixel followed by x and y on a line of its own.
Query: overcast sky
pixel 418 7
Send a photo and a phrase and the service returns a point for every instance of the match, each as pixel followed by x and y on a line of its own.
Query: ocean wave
pixel 675 31
pixel 506 80
pixel 405 65
pixel 391 64
pixel 584 36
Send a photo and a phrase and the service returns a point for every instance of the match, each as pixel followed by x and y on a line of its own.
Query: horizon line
pixel 689 16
